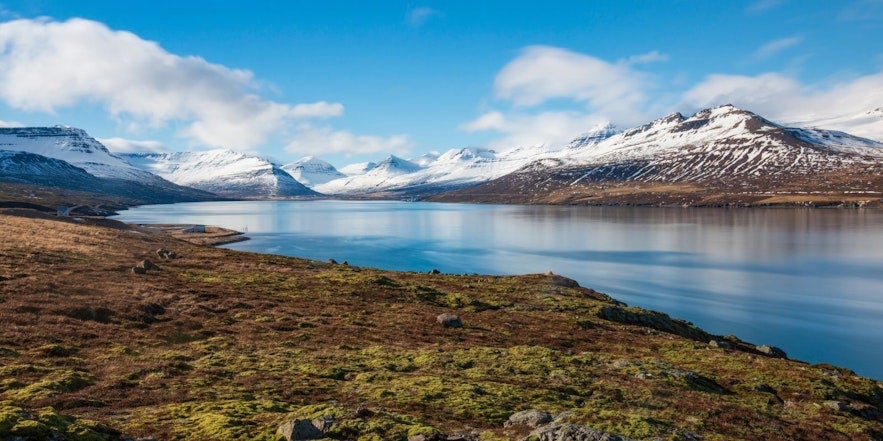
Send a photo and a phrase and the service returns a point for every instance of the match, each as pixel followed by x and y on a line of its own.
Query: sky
pixel 351 81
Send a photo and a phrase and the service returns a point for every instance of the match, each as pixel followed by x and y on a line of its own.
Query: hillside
pixel 217 344
pixel 720 156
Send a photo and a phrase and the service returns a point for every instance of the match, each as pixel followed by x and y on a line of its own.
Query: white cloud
pixel 519 130
pixel 121 145
pixel 417 17
pixel 7 124
pixel 774 47
pixel 321 109
pixel 605 91
pixel 312 140
pixel 46 65
pixel 786 99
pixel 649 57
pixel 543 73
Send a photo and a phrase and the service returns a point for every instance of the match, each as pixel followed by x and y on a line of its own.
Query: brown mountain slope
pixel 218 344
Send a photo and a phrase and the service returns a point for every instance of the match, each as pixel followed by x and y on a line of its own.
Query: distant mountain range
pixel 718 156
pixel 223 172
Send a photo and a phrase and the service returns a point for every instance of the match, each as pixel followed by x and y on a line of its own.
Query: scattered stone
pixel 148 265
pixel 364 412
pixel 837 405
pixel 771 351
pixel 332 261
pixel 532 418
pixel 619 364
pixel 139 270
pixel 720 344
pixel 764 388
pixel 165 254
pixel 564 281
pixel 297 430
pixel 449 320
pixel 572 432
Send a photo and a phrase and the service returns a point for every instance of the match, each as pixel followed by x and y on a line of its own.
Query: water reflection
pixel 810 281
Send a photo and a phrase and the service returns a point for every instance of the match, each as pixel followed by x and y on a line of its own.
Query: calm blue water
pixel 808 281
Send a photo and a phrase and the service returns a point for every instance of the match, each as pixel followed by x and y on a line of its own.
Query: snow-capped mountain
pixel 75 147
pixel 312 171
pixel 222 172
pixel 719 143
pixel 455 168
pixel 868 124
pixel 377 178
pixel 718 147
pixel 30 168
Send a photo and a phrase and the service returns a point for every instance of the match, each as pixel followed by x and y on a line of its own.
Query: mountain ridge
pixel 717 150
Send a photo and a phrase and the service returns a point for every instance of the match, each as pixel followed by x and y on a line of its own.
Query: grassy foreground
pixel 219 344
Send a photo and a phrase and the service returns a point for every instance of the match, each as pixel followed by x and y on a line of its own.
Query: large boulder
pixel 449 320
pixel 771 351
pixel 572 432
pixel 531 418
pixel 298 430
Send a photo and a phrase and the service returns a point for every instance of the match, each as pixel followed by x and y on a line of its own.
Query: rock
pixel 165 254
pixel 563 281
pixel 572 432
pixel 449 320
pixel 148 265
pixel 435 271
pixel 364 412
pixel 296 430
pixel 332 261
pixel 720 344
pixel 771 351
pixel 139 270
pixel 837 405
pixel 531 418
pixel 324 423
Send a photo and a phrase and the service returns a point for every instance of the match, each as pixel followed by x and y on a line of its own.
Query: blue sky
pixel 353 81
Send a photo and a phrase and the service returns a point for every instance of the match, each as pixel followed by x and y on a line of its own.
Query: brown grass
pixel 226 345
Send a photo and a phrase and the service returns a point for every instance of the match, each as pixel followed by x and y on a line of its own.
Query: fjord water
pixel 807 280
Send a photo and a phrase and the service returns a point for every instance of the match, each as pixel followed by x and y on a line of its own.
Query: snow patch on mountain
pixel 868 124
pixel 359 168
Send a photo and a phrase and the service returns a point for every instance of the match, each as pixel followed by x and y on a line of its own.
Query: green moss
pixel 52 384
pixel 56 350
pixel 43 423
